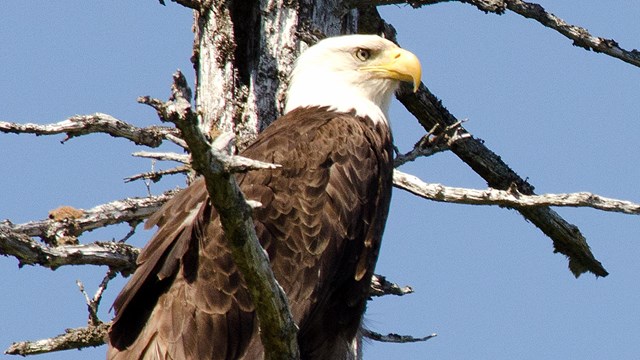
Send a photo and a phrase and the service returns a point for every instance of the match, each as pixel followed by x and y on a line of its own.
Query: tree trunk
pixel 244 52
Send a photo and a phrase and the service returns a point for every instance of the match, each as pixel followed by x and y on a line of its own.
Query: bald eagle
pixel 321 220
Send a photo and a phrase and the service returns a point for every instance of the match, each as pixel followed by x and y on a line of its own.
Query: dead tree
pixel 243 52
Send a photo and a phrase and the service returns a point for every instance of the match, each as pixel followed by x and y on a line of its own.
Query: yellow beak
pixel 399 64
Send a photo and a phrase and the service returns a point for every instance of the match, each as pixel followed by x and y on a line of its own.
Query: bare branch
pixel 94 302
pixel 155 176
pixel 77 338
pixel 118 256
pixel 93 312
pixel 16 241
pixel 380 287
pixel 132 225
pixel 97 297
pixel 432 143
pixel 177 140
pixel 235 164
pixel 278 330
pixel 96 123
pixel 164 156
pixel 494 6
pixel 395 338
pixel 116 212
pixel 580 36
pixel 510 198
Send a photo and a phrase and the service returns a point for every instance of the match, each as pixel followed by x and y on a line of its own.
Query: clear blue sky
pixel 486 280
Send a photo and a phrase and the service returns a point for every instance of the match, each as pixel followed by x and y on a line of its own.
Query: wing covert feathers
pixel 321 222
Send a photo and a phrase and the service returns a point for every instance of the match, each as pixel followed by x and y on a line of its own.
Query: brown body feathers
pixel 321 222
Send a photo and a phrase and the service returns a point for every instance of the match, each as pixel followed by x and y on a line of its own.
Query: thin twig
pixel 395 338
pixel 164 156
pixel 155 176
pixel 111 274
pixel 133 225
pixel 93 313
pixel 380 287
pixel 177 140
pixel 94 303
pixel 433 142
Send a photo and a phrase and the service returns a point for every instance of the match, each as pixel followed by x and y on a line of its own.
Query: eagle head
pixel 352 73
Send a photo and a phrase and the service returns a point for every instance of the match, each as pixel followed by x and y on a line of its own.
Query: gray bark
pixel 244 52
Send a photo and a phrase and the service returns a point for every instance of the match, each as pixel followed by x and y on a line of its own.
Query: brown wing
pixel 185 290
pixel 321 221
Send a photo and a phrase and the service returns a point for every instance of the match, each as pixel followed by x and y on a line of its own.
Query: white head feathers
pixel 352 72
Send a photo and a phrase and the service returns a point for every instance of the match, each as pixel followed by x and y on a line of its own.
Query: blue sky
pixel 486 280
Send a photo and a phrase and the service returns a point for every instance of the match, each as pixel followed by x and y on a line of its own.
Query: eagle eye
pixel 363 54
